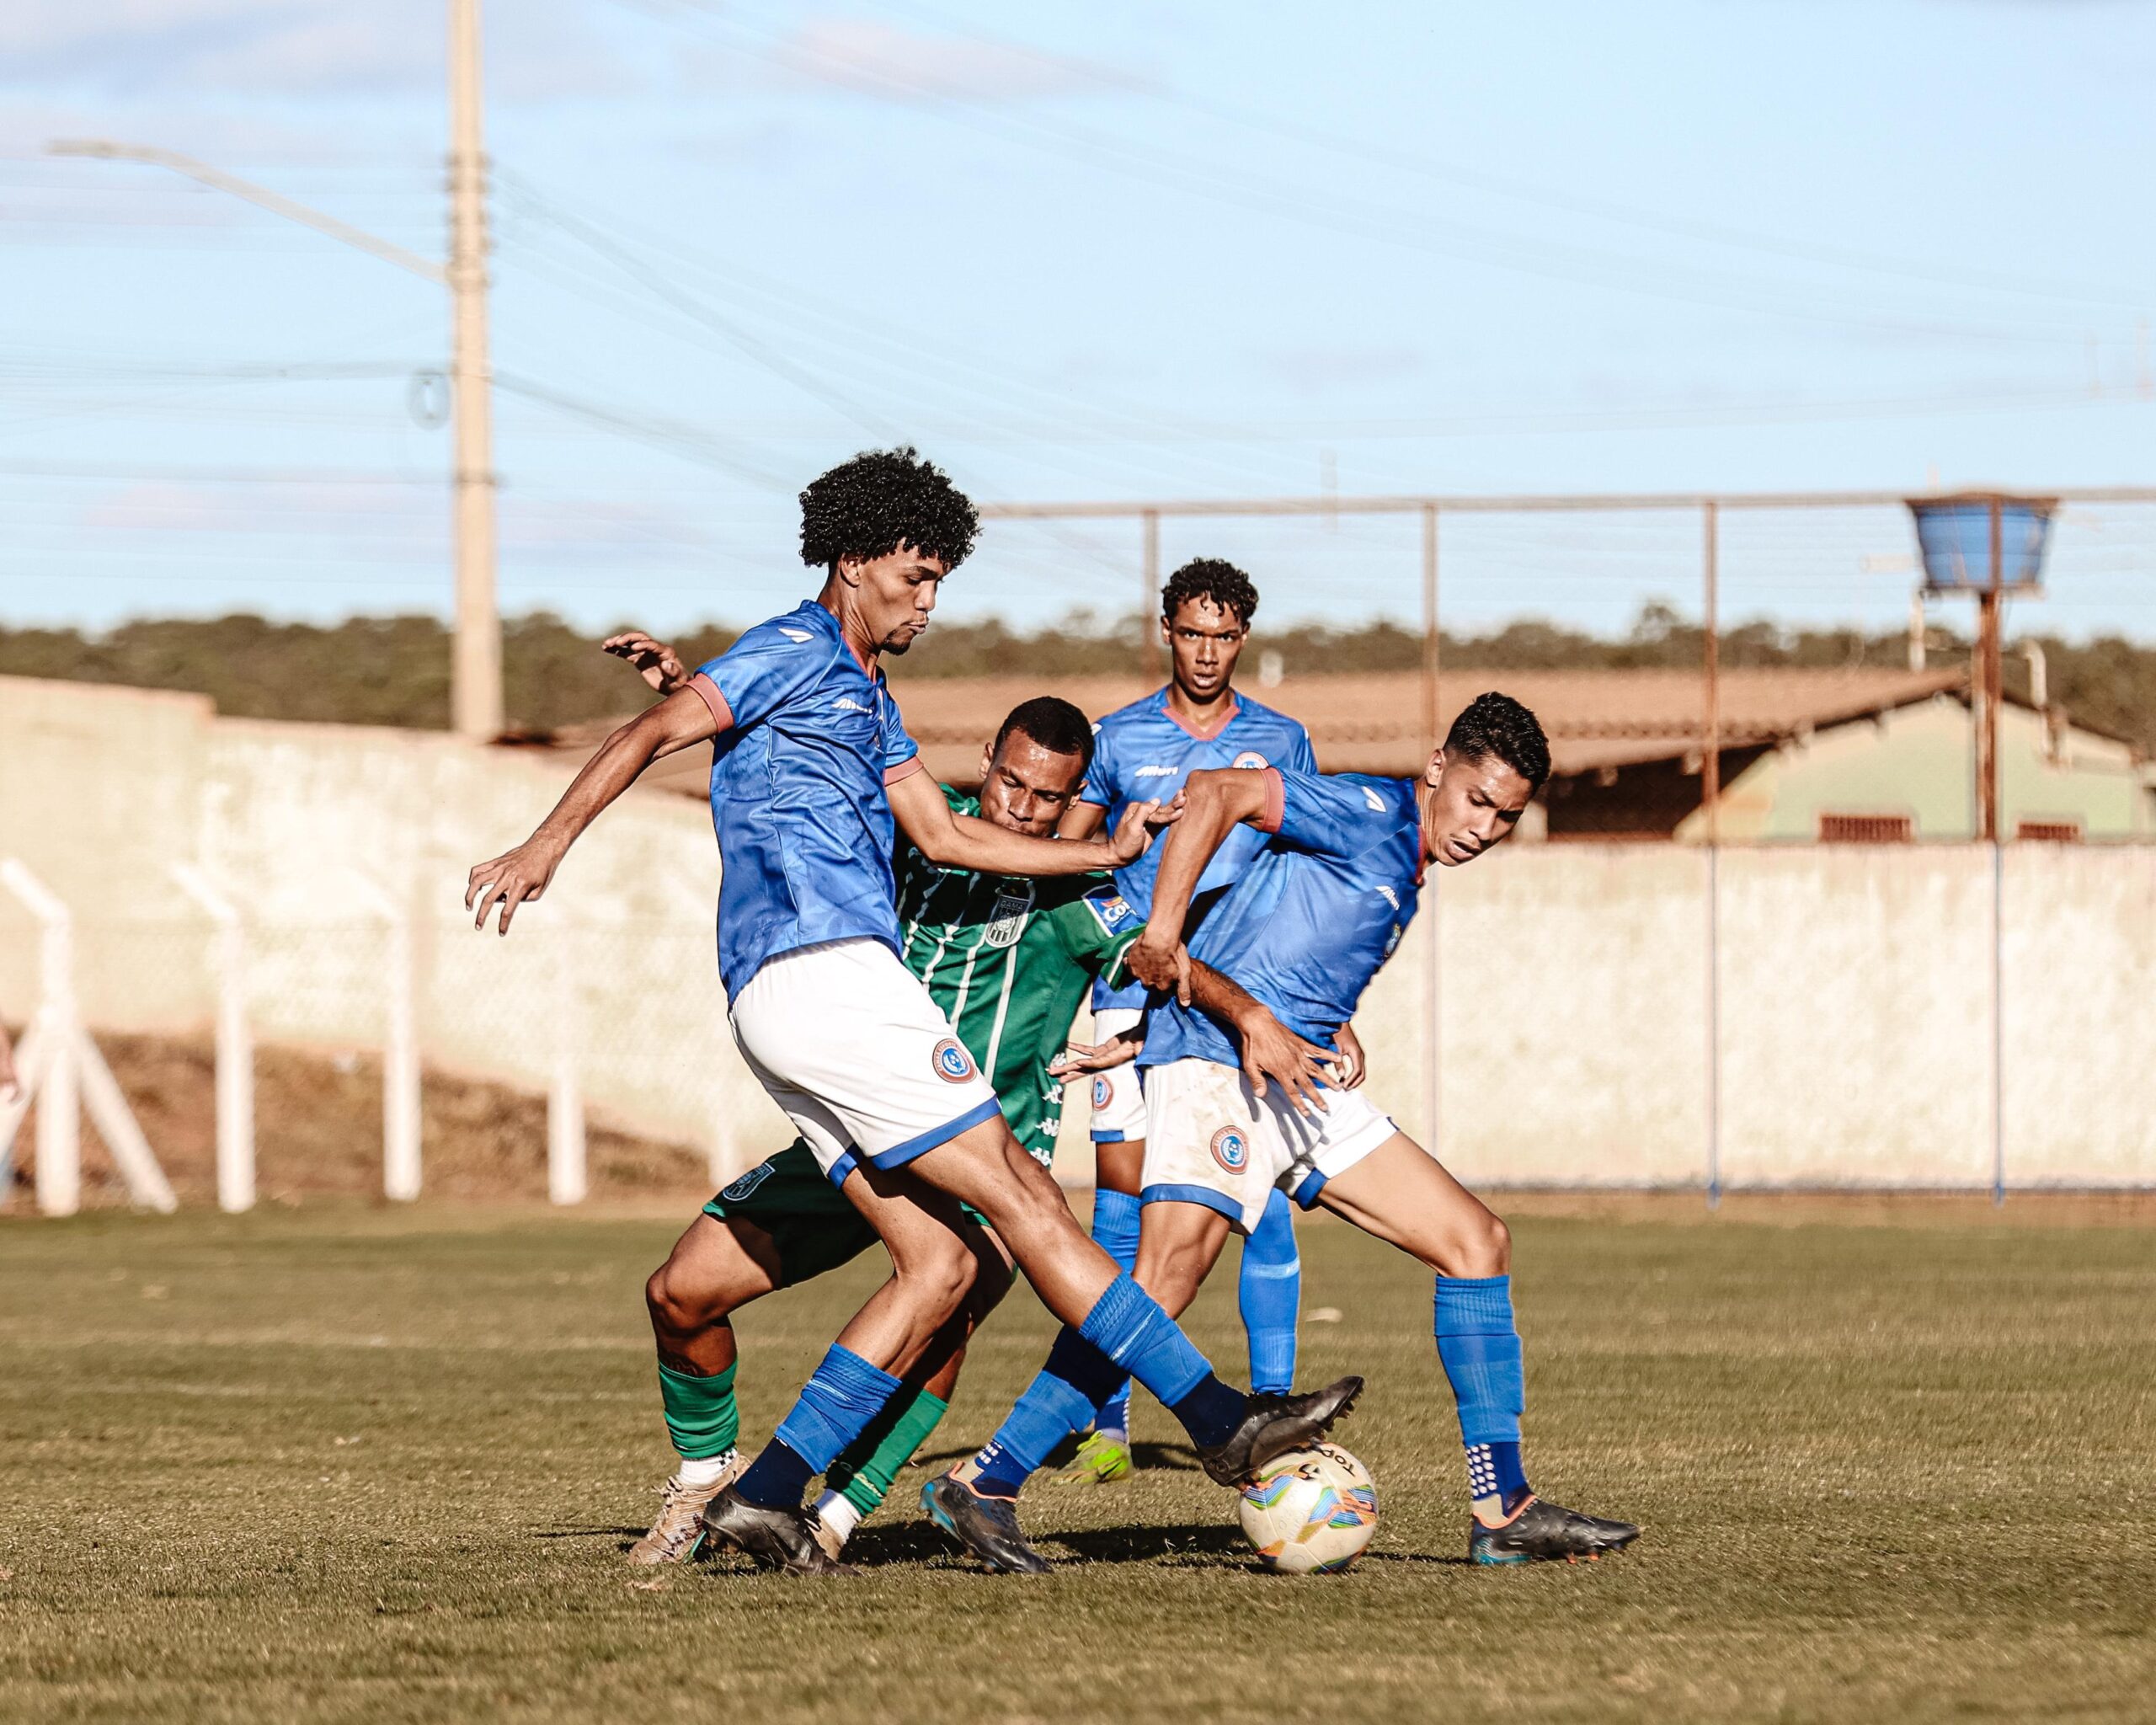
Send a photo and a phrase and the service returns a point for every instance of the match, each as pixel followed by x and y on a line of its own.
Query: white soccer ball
pixel 1311 1511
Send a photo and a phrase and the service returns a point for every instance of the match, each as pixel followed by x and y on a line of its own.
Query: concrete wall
pixel 1855 1023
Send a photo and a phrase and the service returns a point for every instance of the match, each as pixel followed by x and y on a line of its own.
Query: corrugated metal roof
pixel 1372 722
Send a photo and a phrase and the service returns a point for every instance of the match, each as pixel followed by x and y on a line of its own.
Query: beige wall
pixel 1855 1029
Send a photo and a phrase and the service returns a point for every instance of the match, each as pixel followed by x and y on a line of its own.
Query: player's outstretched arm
pixel 1214 803
pixel 657 664
pixel 954 841
pixel 520 876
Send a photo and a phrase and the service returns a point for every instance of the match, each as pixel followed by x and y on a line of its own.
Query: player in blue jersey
pixel 1316 912
pixel 1144 751
pixel 810 768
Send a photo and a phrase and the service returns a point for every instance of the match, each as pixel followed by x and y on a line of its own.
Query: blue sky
pixel 1100 251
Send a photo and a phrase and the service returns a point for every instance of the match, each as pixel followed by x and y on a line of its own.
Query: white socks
pixel 835 1510
pixel 705 1473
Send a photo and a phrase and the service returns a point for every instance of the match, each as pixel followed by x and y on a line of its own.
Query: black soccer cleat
pixel 988 1527
pixel 1543 1532
pixel 784 1540
pixel 1272 1425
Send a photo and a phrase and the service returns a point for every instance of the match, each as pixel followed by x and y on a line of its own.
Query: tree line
pixel 395 671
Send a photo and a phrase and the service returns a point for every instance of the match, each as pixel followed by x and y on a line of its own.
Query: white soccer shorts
pixel 848 1042
pixel 1209 1141
pixel 1118 1101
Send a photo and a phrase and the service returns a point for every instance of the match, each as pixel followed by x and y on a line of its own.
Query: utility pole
pixel 476 674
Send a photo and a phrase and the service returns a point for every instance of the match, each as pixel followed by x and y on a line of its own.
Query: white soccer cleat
pixel 680 1525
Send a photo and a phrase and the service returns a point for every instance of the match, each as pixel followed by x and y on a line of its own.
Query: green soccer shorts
pixel 808 1219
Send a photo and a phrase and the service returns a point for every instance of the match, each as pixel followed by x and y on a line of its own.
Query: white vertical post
pixel 235 1043
pixel 565 1145
pixel 59 1171
pixel 400 1068
pixel 400 1045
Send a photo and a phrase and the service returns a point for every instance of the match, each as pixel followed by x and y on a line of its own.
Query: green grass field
pixel 346 1465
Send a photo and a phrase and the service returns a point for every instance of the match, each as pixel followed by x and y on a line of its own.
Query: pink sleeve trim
pixel 714 699
pixel 1276 801
pixel 906 769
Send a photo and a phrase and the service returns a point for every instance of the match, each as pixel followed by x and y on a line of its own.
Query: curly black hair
pixel 881 500
pixel 1210 577
pixel 1497 725
pixel 1055 725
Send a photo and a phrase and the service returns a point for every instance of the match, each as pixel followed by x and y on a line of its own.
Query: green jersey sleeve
pixel 1097 928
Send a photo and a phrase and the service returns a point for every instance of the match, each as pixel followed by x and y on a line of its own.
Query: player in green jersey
pixel 1009 959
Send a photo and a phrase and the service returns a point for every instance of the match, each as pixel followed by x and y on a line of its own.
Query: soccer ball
pixel 1311 1511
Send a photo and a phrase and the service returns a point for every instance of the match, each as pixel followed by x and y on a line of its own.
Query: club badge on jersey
pixel 1007 919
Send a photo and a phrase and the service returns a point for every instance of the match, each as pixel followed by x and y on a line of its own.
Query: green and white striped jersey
pixel 1009 958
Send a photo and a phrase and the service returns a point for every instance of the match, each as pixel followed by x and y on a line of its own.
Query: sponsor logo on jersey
pixel 747 1183
pixel 1250 758
pixel 952 1064
pixel 1007 919
pixel 1110 909
pixel 1103 1090
pixel 1155 772
pixel 1231 1149
pixel 1374 799
pixel 796 634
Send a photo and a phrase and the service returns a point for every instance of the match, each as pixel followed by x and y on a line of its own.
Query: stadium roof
pixel 1371 722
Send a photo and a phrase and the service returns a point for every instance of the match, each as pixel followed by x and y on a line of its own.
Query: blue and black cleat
pixel 1539 1531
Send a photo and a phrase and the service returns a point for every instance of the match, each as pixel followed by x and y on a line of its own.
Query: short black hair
pixel 1210 577
pixel 881 500
pixel 1055 725
pixel 1497 725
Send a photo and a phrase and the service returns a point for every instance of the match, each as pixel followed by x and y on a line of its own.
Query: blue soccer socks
pixel 1128 1325
pixel 1270 1296
pixel 837 1403
pixel 1115 1231
pixel 1479 1346
pixel 1077 1378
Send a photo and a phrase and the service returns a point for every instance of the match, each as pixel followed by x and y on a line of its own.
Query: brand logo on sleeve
pixel 1374 799
pixel 1250 758
pixel 952 1064
pixel 1111 910
pixel 1390 896
pixel 796 634
pixel 846 703
pixel 1231 1149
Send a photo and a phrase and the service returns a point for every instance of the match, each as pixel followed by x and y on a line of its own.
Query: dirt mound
pixel 317 1133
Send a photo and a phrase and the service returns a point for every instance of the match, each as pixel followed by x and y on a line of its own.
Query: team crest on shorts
pixel 1103 1090
pixel 1007 921
pixel 952 1064
pixel 1231 1149
pixel 1250 758
pixel 747 1183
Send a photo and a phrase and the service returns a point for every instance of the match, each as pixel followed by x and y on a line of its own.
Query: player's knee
pixel 1489 1248
pixel 678 1302
pixel 939 1279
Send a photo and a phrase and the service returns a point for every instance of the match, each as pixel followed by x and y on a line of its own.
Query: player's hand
pixel 1079 1058
pixel 1273 1054
pixel 1134 831
pixel 1349 1069
pixel 519 876
pixel 656 662
pixel 1165 967
pixel 1165 813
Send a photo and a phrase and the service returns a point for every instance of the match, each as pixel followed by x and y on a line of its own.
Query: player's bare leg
pixel 1402 1194
pixel 715 1269
pixel 935 1258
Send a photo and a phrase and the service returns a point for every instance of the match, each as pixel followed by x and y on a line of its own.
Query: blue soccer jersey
pixel 1319 909
pixel 808 738
pixel 1143 752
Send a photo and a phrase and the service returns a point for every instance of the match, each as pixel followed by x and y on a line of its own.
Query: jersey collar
pixel 1205 735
